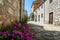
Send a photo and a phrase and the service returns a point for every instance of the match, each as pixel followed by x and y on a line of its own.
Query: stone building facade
pixel 35 5
pixel 22 9
pixel 55 8
pixel 10 11
pixel 50 11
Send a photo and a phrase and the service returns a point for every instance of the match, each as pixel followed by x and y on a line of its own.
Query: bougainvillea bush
pixel 16 31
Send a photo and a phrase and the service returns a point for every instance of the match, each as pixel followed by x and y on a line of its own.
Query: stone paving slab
pixel 49 27
pixel 40 33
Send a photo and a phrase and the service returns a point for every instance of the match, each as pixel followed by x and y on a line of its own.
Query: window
pixel 35 17
pixel 44 0
pixel 41 6
pixel 41 15
pixel 38 17
pixel 50 1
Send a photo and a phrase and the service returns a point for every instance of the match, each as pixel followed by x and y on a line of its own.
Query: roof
pixel 36 4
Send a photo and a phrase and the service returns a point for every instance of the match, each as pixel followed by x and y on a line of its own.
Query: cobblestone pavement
pixel 50 27
pixel 40 34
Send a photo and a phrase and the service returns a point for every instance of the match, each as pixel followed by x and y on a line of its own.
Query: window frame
pixel 51 1
pixel 42 15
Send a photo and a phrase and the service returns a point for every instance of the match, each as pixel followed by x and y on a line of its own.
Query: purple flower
pixel 18 32
pixel 14 26
pixel 9 34
pixel 21 34
pixel 5 33
pixel 15 31
pixel 26 28
pixel 13 35
pixel 28 36
pixel 12 39
pixel 19 24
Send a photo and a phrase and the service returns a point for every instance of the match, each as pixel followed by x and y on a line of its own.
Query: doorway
pixel 51 18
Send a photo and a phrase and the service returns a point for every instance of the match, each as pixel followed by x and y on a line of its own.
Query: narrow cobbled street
pixel 40 34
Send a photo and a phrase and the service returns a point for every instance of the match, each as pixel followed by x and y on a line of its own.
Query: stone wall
pixel 9 11
pixel 55 8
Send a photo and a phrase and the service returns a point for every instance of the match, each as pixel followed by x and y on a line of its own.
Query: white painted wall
pixel 48 8
pixel 46 15
pixel 35 16
pixel 42 12
pixel 38 12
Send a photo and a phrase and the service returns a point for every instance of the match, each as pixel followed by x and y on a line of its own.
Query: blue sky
pixel 28 4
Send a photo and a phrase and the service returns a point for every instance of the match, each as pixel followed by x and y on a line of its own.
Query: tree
pixel 24 19
pixel 32 16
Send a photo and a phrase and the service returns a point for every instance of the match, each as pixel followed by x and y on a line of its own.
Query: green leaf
pixel 17 37
pixel 4 37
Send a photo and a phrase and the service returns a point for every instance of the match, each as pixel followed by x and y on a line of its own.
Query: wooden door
pixel 51 18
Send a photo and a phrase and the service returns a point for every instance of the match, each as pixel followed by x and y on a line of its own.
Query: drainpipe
pixel 20 10
pixel 44 12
